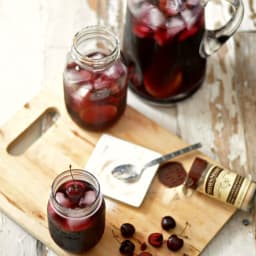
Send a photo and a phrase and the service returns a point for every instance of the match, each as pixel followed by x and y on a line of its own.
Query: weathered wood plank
pixel 221 115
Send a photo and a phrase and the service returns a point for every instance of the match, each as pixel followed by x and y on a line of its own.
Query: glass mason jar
pixel 166 44
pixel 95 79
pixel 76 211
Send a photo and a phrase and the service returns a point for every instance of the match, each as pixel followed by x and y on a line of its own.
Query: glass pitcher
pixel 166 45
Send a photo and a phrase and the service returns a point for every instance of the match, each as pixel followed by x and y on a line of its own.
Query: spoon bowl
pixel 130 173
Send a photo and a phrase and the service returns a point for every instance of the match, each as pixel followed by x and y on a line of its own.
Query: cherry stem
pixel 184 229
pixel 115 236
pixel 70 169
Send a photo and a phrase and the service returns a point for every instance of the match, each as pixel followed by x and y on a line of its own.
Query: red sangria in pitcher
pixel 166 44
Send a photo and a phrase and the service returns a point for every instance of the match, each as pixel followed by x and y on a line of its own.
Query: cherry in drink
pixel 161 45
pixel 76 211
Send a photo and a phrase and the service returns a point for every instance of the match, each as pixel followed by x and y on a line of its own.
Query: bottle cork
pixel 221 184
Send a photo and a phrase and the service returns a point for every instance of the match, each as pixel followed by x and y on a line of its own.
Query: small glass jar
pixel 95 79
pixel 76 211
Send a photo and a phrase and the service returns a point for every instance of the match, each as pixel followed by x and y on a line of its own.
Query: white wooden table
pixel 35 36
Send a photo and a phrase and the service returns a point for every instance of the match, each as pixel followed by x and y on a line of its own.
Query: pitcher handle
pixel 214 39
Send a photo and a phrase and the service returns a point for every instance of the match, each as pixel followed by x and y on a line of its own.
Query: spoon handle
pixel 171 155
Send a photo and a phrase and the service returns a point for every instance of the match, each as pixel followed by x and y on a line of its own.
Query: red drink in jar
pixel 161 45
pixel 95 79
pixel 76 211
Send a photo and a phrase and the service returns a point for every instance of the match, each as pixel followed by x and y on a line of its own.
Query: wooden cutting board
pixel 26 178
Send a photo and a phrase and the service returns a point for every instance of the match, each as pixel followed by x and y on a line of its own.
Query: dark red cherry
pixel 168 223
pixel 155 239
pixel 127 230
pixel 174 243
pixel 75 191
pixel 127 248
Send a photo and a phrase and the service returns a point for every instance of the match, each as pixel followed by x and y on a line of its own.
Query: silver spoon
pixel 129 172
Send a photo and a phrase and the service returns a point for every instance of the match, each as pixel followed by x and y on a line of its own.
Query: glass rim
pixel 93 32
pixel 80 212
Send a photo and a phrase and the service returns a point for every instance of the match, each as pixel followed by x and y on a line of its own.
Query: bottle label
pixel 225 185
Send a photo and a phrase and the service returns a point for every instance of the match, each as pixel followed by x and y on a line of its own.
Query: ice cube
pixel 135 6
pixel 63 200
pixel 175 25
pixel 153 17
pixel 112 72
pixel 192 2
pixel 73 76
pixel 88 198
pixel 115 71
pixel 100 94
pixel 171 7
pixel 82 92
pixel 78 96
pixel 102 82
pixel 190 16
pixel 149 15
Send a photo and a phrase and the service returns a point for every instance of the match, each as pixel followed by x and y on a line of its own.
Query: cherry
pixel 156 239
pixel 145 254
pixel 174 243
pixel 127 230
pixel 75 191
pixel 127 248
pixel 168 223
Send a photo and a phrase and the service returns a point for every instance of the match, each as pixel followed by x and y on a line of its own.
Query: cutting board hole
pixel 23 141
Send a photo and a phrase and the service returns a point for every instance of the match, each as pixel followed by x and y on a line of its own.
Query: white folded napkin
pixel 110 152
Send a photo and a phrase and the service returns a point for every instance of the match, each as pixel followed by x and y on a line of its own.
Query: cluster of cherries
pixel 174 243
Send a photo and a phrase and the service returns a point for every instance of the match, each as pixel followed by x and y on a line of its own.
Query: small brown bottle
pixel 222 184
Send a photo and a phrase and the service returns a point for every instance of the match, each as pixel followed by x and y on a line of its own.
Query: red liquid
pixel 161 45
pixel 81 233
pixel 95 99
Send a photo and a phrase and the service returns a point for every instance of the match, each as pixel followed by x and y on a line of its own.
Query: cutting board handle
pixel 30 122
